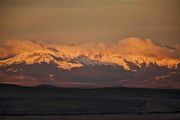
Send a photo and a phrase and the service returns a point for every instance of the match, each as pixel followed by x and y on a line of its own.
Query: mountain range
pixel 132 62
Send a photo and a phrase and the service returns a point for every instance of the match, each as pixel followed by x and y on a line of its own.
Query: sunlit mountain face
pixel 131 62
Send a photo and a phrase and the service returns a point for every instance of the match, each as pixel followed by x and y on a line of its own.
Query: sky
pixel 76 21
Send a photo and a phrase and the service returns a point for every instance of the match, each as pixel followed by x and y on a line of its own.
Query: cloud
pixel 145 47
pixel 126 47
pixel 13 47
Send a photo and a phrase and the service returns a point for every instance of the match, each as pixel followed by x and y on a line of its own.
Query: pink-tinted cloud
pixel 145 47
pixel 130 46
pixel 13 47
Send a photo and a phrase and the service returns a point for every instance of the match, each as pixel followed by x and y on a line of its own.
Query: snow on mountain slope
pixel 69 62
pixel 136 51
pixel 38 57
pixel 132 62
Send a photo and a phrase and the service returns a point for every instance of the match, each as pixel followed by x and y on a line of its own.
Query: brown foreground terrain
pixel 48 102
pixel 96 117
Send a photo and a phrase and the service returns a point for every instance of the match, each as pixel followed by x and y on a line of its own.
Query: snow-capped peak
pixel 68 62
pixel 29 58
pixel 38 57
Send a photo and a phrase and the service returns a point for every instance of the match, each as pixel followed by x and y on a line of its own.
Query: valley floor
pixel 51 103
pixel 95 117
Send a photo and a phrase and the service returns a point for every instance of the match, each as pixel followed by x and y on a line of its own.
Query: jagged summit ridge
pixel 136 51
pixel 130 62
pixel 69 61
pixel 38 57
